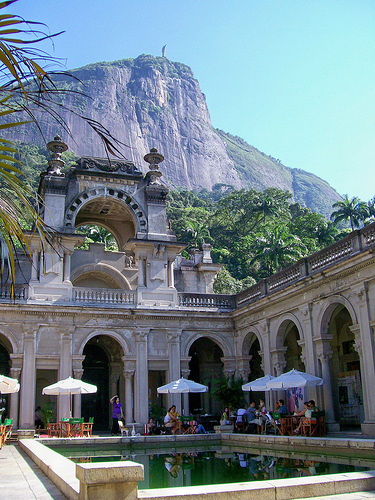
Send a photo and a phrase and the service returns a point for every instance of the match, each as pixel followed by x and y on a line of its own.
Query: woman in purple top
pixel 116 414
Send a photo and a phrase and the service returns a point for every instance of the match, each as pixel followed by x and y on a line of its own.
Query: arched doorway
pixel 255 370
pixel 345 369
pixel 4 370
pixel 293 350
pixel 96 371
pixel 103 367
pixel 205 367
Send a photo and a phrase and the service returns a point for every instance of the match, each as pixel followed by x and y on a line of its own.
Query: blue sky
pixel 294 78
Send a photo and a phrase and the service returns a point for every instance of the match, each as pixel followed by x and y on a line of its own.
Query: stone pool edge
pixel 63 472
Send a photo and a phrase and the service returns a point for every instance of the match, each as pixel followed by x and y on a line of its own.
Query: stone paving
pixel 21 479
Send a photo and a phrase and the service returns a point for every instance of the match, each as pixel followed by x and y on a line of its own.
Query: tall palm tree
pixel 354 210
pixel 277 247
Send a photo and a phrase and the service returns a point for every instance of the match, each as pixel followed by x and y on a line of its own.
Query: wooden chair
pixel 314 426
pixel 8 423
pixel 54 429
pixel 2 435
pixel 286 426
pixel 86 429
pixel 75 427
pixel 277 423
pixel 187 424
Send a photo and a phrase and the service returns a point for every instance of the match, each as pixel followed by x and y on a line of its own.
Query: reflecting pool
pixel 217 465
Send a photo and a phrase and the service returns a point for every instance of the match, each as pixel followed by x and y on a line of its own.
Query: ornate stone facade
pixel 139 317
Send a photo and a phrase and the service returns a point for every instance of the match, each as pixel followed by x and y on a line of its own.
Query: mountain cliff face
pixel 152 102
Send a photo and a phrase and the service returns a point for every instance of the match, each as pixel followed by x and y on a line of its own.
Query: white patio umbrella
pixel 8 385
pixel 259 384
pixel 292 379
pixel 181 386
pixel 67 387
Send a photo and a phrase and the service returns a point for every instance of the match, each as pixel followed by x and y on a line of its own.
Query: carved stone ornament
pixel 105 165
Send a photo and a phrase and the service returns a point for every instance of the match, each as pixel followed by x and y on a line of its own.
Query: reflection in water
pixel 200 468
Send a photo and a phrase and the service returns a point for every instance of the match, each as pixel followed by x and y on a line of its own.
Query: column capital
pixel 17 361
pixel 173 334
pixel 15 372
pixel 325 356
pixel 77 373
pixel 129 364
pixel 128 373
pixel 141 334
pixel 185 373
pixel 77 362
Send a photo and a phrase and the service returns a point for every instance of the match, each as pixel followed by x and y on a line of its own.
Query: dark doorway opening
pixel 96 371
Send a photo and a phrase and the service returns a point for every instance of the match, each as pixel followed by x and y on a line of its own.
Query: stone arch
pixel 288 339
pixel 251 364
pixel 248 340
pixel 336 319
pixel 103 271
pixel 282 325
pixel 8 340
pixel 327 308
pixel 108 197
pixel 216 338
pixel 110 333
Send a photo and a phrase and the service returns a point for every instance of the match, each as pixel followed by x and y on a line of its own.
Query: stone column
pixel 28 380
pixel 185 372
pixel 173 338
pixel 141 376
pixel 77 373
pixel 365 346
pixel 324 354
pixel 129 370
pixel 34 267
pixel 14 398
pixel 278 366
pixel 114 376
pixel 64 402
pixel 67 263
pixel 77 362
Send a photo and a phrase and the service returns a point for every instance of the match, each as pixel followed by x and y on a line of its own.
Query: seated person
pixel 312 405
pixel 198 428
pixel 282 408
pixel 225 417
pixel 172 420
pixel 241 419
pixel 150 427
pixel 304 413
pixel 251 416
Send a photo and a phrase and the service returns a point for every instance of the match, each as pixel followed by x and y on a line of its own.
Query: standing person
pixel 116 414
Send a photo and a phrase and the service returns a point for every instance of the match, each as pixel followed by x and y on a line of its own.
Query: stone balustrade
pixel 356 242
pixel 206 300
pixel 103 296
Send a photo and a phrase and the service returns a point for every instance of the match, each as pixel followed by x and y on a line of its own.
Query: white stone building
pixel 132 320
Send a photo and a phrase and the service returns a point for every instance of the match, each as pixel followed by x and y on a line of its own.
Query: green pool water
pixel 187 467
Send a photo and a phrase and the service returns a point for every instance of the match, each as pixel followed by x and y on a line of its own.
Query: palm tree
pixel 326 234
pixel 354 210
pixel 277 247
pixel 26 87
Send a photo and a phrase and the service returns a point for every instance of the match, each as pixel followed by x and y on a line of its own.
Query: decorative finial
pixel 56 163
pixel 154 158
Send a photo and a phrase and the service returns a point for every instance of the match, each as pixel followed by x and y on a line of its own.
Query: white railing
pixel 103 296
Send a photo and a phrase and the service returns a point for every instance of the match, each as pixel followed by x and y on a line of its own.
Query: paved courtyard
pixel 21 479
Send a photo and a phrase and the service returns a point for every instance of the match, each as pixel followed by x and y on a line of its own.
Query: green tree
pixel 278 247
pixel 354 210
pixel 225 283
